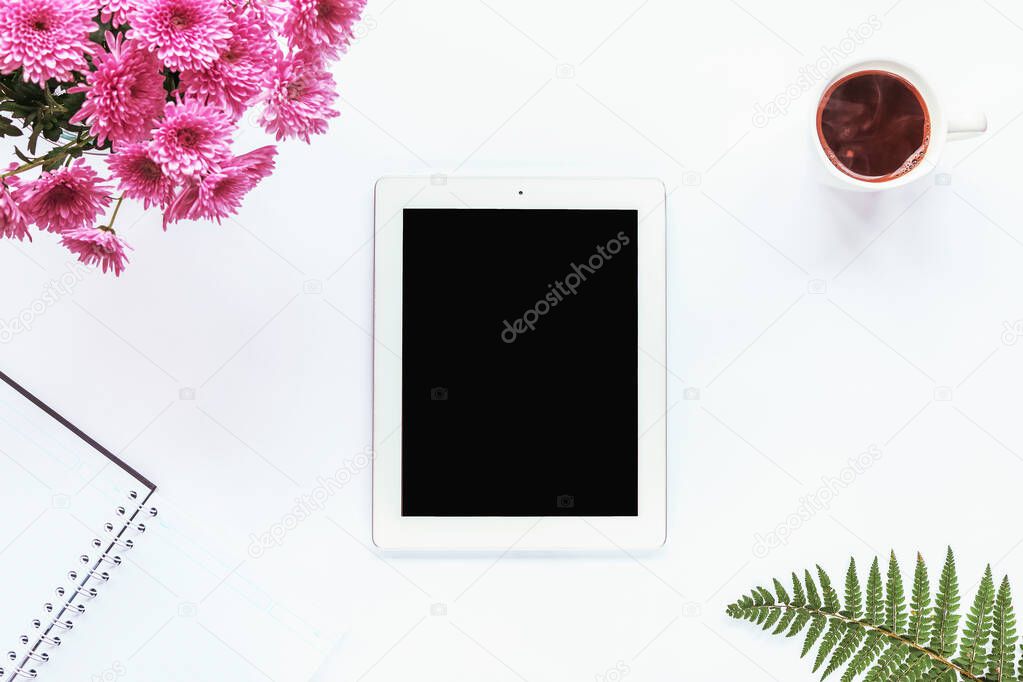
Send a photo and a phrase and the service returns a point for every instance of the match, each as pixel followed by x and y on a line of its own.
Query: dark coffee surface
pixel 873 125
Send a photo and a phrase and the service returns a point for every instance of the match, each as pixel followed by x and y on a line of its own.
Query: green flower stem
pixel 22 168
pixel 887 633
pixel 117 207
pixel 70 146
pixel 54 104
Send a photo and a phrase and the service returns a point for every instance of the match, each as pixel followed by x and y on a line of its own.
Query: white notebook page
pixel 180 605
pixel 57 492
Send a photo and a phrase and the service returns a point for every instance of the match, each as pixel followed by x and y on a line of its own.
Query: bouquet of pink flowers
pixel 157 86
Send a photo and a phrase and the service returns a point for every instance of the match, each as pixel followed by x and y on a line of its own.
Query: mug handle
pixel 965 126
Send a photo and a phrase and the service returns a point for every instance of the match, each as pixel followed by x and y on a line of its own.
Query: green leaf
pixel 798 595
pixel 831 639
pixel 836 626
pixel 844 650
pixel 973 651
pixel 870 635
pixel 889 662
pixel 52 133
pixel 813 597
pixel 772 617
pixel 779 591
pixel 875 596
pixel 7 128
pixel 831 604
pixel 916 666
pixel 800 616
pixel 946 605
pixel 916 663
pixel 785 621
pixel 1001 662
pixel 873 645
pixel 920 604
pixel 816 628
pixel 853 593
pixel 813 602
pixel 895 598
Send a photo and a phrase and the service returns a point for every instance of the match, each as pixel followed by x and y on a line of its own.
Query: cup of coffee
pixel 879 124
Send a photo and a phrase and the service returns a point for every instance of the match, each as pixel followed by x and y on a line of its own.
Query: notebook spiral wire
pixel 83 585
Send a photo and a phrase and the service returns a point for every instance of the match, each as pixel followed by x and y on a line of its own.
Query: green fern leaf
pixel 798 594
pixel 813 601
pixel 772 617
pixel 1001 663
pixel 845 649
pixel 869 633
pixel 800 616
pixel 836 626
pixel 919 630
pixel 889 662
pixel 946 605
pixel 875 596
pixel 776 614
pixel 813 597
pixel 800 621
pixel 785 622
pixel 873 645
pixel 779 590
pixel 831 604
pixel 920 604
pixel 831 639
pixel 853 593
pixel 973 651
pixel 874 641
pixel 816 628
pixel 762 598
pixel 916 666
pixel 852 636
pixel 895 598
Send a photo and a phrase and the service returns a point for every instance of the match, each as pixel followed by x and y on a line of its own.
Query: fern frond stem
pixel 933 655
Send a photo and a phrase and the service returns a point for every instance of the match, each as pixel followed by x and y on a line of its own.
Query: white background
pixel 266 318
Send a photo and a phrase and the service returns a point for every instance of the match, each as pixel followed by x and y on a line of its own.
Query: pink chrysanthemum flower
pixel 239 73
pixel 64 199
pixel 298 97
pixel 13 223
pixel 140 177
pixel 45 38
pixel 267 12
pixel 185 34
pixel 124 95
pixel 321 24
pixel 192 138
pixel 259 163
pixel 115 12
pixel 212 197
pixel 219 195
pixel 97 245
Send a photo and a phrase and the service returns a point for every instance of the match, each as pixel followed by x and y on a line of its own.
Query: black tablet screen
pixel 519 355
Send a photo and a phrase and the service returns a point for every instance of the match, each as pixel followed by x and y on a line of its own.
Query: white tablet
pixel 519 363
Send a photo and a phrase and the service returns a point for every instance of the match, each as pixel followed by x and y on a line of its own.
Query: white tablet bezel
pixel 393 531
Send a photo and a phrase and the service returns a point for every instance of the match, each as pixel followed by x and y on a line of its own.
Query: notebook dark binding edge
pixel 78 432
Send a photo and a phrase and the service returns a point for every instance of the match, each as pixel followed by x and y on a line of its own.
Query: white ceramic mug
pixel 944 127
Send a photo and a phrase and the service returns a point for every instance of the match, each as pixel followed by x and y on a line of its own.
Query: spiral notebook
pixel 70 511
pixel 95 585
